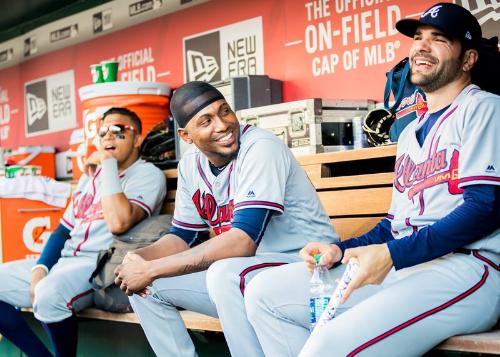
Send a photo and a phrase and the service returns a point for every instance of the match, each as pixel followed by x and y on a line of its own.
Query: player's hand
pixel 330 254
pixel 375 262
pixel 36 275
pixel 95 160
pixel 132 276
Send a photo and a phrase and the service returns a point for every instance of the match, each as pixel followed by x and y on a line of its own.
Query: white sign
pixel 50 104
pixel 229 51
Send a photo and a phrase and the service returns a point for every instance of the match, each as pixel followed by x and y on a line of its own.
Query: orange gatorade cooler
pixel 150 100
pixel 77 148
pixel 43 156
pixel 25 227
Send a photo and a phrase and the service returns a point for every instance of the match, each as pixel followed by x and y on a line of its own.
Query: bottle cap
pixel 317 258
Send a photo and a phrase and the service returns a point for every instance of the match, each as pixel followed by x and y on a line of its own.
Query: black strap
pixel 100 264
pixel 463 251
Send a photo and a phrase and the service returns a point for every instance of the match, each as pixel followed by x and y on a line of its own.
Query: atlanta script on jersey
pixel 459 150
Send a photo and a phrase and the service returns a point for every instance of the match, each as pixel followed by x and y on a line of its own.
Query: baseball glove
pixel 158 146
pixel 376 125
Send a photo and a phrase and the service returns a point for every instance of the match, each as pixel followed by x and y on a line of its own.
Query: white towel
pixel 39 188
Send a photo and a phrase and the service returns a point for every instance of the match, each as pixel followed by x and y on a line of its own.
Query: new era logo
pixel 36 108
pixel 201 67
pixel 250 194
pixel 490 168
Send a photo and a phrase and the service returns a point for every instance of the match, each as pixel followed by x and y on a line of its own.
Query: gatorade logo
pixel 36 233
pixel 36 108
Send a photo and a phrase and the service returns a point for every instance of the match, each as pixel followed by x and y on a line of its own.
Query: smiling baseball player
pixel 117 191
pixel 243 183
pixel 430 270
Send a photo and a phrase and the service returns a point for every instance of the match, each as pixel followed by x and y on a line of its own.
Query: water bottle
pixel 320 291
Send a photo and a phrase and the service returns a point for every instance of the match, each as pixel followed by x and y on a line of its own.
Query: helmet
pixel 158 147
pixel 376 125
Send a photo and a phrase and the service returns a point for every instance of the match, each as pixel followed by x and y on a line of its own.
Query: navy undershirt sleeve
pixel 381 233
pixel 253 221
pixel 52 250
pixel 477 217
pixel 191 238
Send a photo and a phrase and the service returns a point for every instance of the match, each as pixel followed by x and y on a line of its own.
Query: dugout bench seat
pixel 355 189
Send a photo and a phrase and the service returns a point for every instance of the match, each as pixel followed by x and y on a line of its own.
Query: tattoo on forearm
pixel 203 264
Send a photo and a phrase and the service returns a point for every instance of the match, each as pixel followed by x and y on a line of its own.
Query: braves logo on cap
pixel 433 11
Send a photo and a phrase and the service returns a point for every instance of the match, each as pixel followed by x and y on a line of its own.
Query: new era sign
pixel 233 50
pixel 50 104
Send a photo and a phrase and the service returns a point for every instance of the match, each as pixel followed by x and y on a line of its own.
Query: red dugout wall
pixel 325 48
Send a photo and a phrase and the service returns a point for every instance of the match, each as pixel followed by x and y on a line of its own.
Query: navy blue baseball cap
pixel 452 20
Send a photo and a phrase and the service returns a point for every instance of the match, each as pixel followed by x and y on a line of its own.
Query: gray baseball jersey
pixel 142 183
pixel 263 175
pixel 458 151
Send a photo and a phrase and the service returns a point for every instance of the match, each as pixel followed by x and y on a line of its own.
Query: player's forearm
pixel 167 245
pixel 477 217
pixel 119 213
pixel 233 243
pixel 52 250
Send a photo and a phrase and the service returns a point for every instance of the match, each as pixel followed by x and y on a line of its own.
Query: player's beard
pixel 228 157
pixel 443 74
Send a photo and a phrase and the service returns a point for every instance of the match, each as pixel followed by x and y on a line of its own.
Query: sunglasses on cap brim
pixel 116 129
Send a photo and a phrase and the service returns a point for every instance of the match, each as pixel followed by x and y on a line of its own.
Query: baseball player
pixel 430 270
pixel 117 191
pixel 244 184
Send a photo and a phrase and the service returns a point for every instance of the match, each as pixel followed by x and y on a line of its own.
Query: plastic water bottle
pixel 320 291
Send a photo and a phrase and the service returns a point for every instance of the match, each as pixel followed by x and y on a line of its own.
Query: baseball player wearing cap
pixel 430 270
pixel 117 191
pixel 244 184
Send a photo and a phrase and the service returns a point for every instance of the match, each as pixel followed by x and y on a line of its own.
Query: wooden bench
pixel 355 189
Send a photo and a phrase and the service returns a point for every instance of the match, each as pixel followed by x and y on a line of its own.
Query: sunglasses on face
pixel 116 129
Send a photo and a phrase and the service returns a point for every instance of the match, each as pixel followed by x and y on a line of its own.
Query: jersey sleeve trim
pixel 66 224
pixel 143 205
pixel 191 226
pixel 465 181
pixel 202 174
pixel 259 204
pixel 248 126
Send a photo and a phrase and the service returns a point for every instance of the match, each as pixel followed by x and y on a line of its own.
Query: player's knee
pixel 256 297
pixel 221 279
pixel 48 302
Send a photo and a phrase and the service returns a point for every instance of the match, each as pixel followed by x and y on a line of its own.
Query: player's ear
pixel 469 60
pixel 138 139
pixel 184 135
